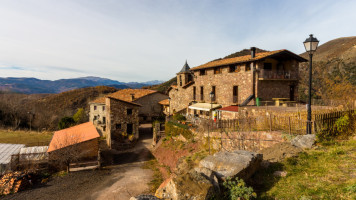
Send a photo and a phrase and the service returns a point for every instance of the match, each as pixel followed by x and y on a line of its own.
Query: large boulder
pixel 242 164
pixel 188 186
pixel 304 141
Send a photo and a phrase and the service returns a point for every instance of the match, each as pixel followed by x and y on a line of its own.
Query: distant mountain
pixel 334 70
pixel 33 85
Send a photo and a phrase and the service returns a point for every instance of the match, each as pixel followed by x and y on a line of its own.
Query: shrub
pixel 173 129
pixel 237 189
pixel 66 122
pixel 179 117
pixel 80 116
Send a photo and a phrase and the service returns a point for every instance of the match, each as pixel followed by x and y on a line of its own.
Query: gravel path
pixel 117 182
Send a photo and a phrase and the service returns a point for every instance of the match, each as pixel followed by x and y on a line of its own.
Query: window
pixel 213 90
pixel 267 66
pixel 194 93
pixel 94 107
pixel 234 68
pixel 129 129
pixel 201 93
pixel 129 111
pixel 248 67
pixel 180 80
pixel 200 112
pixel 235 92
pixel 217 70
pixel 104 128
pixel 104 120
pixel 95 118
pixel 118 126
pixel 103 108
pixel 202 72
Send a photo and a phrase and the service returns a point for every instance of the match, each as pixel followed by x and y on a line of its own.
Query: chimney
pixel 132 97
pixel 253 52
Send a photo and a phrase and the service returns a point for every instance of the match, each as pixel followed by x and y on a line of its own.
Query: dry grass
pixel 25 137
pixel 327 172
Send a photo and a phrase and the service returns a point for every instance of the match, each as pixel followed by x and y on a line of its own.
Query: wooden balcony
pixel 277 75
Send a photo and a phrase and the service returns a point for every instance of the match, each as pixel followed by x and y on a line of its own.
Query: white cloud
pixel 147 40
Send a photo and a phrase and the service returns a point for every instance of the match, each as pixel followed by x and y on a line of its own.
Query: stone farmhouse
pixel 238 81
pixel 119 113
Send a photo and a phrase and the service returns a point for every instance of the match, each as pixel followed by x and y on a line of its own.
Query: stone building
pixel 236 81
pixel 122 121
pixel 115 118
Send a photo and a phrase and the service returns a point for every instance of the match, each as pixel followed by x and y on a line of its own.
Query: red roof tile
pixel 243 59
pixel 73 135
pixel 126 95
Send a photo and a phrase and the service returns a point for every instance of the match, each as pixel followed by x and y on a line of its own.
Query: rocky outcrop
pixel 189 186
pixel 304 141
pixel 239 163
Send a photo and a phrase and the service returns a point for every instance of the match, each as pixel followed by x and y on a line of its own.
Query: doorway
pixel 291 92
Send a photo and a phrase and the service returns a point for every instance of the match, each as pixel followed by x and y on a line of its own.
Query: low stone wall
pixel 251 141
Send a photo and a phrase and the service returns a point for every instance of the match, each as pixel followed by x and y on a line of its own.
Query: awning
pixel 204 106
pixel 230 109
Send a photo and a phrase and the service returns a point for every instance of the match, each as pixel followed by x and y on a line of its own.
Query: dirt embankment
pixel 169 152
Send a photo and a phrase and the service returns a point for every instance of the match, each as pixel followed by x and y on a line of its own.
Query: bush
pixel 80 116
pixel 66 122
pixel 237 189
pixel 179 117
pixel 173 129
pixel 343 127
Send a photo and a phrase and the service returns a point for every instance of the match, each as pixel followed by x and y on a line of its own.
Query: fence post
pixel 270 122
pixel 290 127
pixel 209 137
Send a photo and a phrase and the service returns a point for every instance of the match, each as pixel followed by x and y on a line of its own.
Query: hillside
pixel 35 86
pixel 163 87
pixel 334 71
pixel 47 109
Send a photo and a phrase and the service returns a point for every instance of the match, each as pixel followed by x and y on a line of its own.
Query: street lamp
pixel 310 44
pixel 169 107
pixel 211 102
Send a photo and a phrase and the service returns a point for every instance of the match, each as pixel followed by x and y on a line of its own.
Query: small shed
pixel 77 143
pixel 6 151
pixel 33 154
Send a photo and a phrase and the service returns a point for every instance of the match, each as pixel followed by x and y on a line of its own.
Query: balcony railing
pixel 277 74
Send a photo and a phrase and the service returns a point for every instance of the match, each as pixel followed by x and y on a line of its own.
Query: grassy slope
pixel 327 172
pixel 25 137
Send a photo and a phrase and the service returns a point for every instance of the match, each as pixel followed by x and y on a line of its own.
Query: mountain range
pixel 37 86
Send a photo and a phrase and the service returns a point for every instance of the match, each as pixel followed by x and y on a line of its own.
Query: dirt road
pixel 120 181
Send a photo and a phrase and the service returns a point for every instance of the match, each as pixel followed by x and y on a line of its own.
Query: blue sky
pixel 142 40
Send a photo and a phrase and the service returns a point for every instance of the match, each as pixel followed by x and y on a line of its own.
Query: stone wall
pixel 118 119
pixel 180 98
pixel 251 141
pixel 224 84
pixel 150 106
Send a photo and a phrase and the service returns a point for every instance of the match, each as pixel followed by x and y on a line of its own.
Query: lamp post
pixel 211 102
pixel 169 107
pixel 310 44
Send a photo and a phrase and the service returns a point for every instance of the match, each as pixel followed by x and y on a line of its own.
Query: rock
pixel 188 186
pixel 304 141
pixel 242 164
pixel 208 174
pixel 278 152
pixel 280 173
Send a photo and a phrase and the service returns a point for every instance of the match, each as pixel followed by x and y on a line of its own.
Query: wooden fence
pixel 327 120
pixel 293 124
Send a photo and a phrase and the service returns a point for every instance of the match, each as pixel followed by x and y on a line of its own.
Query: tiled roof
pixel 242 59
pixel 125 95
pixel 73 135
pixel 164 102
pixel 230 108
pixel 99 100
